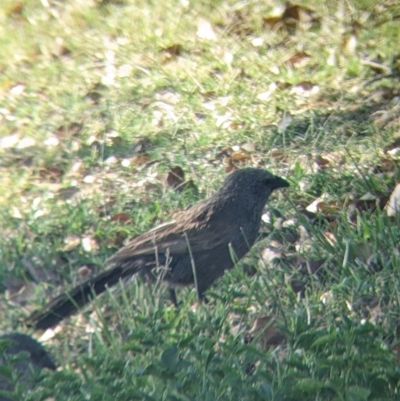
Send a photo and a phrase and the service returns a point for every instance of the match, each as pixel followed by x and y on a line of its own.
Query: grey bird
pixel 196 248
pixel 25 357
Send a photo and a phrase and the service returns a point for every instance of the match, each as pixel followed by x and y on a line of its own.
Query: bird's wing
pixel 176 236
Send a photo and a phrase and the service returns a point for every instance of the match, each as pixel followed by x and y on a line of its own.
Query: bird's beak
pixel 278 182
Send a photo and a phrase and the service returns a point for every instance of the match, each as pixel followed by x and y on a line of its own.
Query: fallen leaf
pixel 298 286
pixel 19 291
pixel 264 96
pixel 175 177
pixel 349 44
pixel 172 50
pixel 121 218
pixel 309 267
pixel 240 156
pixel 89 244
pixel 395 144
pixel 51 173
pixel 68 192
pixel 17 89
pixel 270 255
pixel 16 9
pixel 89 179
pixel 84 271
pixel 71 242
pixel 249 147
pixel 285 122
pixel 394 153
pixel 39 275
pixel 296 12
pixel 393 206
pixel 141 158
pixel 297 60
pixel 266 333
pixel 320 162
pixel 330 237
pixel 276 153
pixel 272 22
pixel 322 204
pixel 68 131
pixel 205 30
pixel 9 141
pixel 305 89
pixel 366 203
pixel 327 297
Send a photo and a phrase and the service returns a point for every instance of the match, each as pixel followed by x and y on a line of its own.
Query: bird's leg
pixel 172 297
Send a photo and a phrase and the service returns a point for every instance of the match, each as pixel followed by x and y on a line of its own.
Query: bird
pixel 197 247
pixel 25 357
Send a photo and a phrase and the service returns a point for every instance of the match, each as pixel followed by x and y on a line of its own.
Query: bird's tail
pixel 69 302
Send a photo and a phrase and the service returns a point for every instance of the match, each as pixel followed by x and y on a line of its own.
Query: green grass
pixel 98 90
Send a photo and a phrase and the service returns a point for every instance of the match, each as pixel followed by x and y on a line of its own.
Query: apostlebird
pixel 195 248
pixel 25 357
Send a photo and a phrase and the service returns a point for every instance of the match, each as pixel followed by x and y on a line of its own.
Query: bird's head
pixel 251 187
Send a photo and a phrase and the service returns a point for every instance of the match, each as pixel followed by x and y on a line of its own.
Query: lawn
pixel 115 114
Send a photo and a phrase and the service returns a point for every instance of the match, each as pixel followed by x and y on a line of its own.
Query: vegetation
pixel 104 105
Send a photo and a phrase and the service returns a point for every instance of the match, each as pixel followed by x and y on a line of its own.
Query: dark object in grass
pixel 25 357
pixel 196 248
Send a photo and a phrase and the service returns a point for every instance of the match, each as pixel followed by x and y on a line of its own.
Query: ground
pixel 116 114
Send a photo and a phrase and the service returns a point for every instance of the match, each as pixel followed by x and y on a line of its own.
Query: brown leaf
pixel 121 218
pixel 320 162
pixel 295 15
pixel 229 168
pixel 291 16
pixel 295 12
pixel 16 9
pixel 305 85
pixel 240 156
pixel 272 22
pixel 71 242
pixel 84 271
pixel 266 333
pixel 277 154
pixel 68 131
pixel 51 173
pixel 323 205
pixel 93 96
pixel 172 51
pixel 175 177
pixel 367 203
pixel 297 60
pixel 141 158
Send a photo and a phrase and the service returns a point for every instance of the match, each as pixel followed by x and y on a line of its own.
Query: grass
pixel 100 99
